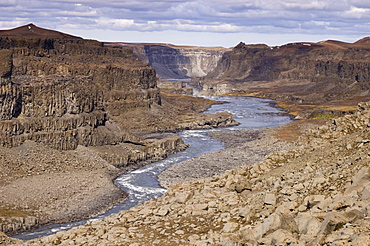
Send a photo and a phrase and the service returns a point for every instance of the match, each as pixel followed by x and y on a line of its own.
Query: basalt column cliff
pixel 60 90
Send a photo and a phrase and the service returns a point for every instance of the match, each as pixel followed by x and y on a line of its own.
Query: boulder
pixel 270 199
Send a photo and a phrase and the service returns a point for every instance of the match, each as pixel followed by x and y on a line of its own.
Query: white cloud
pixel 193 9
pixel 8 3
pixel 64 13
pixel 334 17
pixel 316 5
pixel 356 13
pixel 206 28
pixel 360 3
pixel 180 25
pixel 11 24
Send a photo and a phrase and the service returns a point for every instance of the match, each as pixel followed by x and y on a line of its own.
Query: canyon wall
pixel 177 62
pixel 313 72
pixel 61 91
pixel 64 91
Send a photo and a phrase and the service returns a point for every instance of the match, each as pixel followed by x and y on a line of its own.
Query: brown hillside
pixel 30 30
pixel 319 78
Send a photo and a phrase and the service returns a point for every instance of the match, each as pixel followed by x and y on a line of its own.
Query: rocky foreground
pixel 243 148
pixel 315 193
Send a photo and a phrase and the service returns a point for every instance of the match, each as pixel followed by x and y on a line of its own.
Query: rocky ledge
pixel 314 193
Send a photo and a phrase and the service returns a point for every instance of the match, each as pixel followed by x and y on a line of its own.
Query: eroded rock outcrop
pixel 14 224
pixel 175 87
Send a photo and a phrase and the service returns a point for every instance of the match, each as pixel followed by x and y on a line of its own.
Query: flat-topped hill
pixel 31 30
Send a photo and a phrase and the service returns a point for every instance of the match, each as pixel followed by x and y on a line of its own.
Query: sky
pixel 200 23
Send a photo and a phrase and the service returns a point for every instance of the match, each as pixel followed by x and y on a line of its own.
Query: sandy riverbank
pixel 64 186
pixel 40 185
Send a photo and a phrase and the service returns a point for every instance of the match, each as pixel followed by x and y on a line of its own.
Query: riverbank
pixel 40 185
pixel 65 186
pixel 243 147
pixel 60 197
pixel 215 210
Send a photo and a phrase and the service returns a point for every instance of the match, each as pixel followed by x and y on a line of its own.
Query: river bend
pixel 142 184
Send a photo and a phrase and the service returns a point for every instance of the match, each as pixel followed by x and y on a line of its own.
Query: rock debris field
pixel 314 191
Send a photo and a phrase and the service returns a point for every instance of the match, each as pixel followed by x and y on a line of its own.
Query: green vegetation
pixel 12 212
pixel 325 117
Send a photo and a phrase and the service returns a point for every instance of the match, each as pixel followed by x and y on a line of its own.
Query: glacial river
pixel 142 185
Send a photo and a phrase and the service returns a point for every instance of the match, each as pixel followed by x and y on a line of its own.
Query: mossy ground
pixel 13 212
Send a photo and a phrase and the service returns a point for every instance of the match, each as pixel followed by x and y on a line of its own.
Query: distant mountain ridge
pixel 31 30
pixel 303 73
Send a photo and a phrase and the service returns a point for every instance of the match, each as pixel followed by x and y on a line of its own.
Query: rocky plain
pixel 304 183
pixel 314 191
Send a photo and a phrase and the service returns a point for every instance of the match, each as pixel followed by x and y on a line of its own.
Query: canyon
pixel 75 112
pixel 176 62
pixel 310 186
pixel 309 79
pixel 315 191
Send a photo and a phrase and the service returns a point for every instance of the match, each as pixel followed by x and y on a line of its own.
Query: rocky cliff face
pixel 64 91
pixel 60 91
pixel 312 72
pixel 177 62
